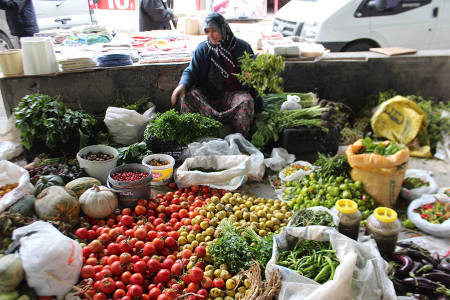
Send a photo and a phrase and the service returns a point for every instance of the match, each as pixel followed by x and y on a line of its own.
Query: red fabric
pixel 231 83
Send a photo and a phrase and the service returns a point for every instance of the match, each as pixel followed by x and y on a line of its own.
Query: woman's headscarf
pixel 225 45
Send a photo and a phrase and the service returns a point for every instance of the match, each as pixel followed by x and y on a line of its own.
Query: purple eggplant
pixel 443 278
pixel 417 255
pixel 417 265
pixel 425 269
pixel 444 267
pixel 400 288
pixel 419 297
pixel 406 262
pixel 426 285
pixel 405 244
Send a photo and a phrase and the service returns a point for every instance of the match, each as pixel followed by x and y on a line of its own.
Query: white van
pixel 357 25
pixel 52 14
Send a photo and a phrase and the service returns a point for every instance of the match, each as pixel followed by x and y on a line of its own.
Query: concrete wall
pixel 351 77
pixel 345 77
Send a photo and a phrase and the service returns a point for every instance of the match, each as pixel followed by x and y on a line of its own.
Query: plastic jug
pixel 38 56
pixel 384 227
pixel 349 218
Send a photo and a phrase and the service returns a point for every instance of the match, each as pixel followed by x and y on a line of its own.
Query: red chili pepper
pixel 425 216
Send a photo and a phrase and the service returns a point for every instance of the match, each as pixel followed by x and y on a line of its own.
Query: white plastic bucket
pixel 11 62
pixel 38 56
pixel 161 174
pixel 98 169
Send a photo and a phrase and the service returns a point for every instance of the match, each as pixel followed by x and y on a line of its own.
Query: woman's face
pixel 213 35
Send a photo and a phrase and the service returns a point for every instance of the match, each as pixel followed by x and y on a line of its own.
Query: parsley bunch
pixel 231 249
pixel 186 128
pixel 44 119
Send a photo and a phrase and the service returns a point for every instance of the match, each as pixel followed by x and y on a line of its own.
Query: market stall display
pixel 162 46
pixel 204 239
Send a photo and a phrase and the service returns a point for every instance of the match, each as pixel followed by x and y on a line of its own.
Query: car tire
pixel 358 46
pixel 5 42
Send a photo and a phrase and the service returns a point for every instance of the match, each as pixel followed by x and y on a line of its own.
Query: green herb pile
pixel 41 118
pixel 261 246
pixel 236 252
pixel 306 217
pixel 368 146
pixel 185 128
pixel 133 153
pixel 411 183
pixel 139 105
pixel 261 73
pixel 270 123
pixel 313 259
pixel 332 167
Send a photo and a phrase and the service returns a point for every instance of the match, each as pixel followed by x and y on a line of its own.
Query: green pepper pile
pixel 412 183
pixel 311 191
pixel 313 259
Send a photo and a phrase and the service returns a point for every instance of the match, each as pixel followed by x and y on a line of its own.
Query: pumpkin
pixel 80 185
pixel 23 206
pixel 56 203
pixel 98 202
pixel 47 180
pixel 11 273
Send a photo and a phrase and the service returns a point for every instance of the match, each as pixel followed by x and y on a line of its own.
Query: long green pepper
pixel 313 259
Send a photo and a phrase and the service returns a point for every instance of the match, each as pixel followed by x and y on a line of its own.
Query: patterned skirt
pixel 236 108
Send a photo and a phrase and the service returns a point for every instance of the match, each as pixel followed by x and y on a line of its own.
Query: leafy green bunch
pixel 368 146
pixel 139 105
pixel 185 128
pixel 41 118
pixel 261 73
pixel 237 251
pixel 133 153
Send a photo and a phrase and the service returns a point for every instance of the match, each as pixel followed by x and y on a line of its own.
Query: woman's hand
pixel 178 92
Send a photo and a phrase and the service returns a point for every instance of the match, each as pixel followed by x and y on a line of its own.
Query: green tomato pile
pixel 311 191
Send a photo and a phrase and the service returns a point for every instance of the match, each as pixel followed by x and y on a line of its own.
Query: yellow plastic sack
pixel 401 120
pixel 382 176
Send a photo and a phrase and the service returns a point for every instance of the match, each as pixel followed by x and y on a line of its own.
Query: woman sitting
pixel 208 85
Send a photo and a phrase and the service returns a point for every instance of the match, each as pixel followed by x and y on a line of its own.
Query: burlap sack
pixel 382 176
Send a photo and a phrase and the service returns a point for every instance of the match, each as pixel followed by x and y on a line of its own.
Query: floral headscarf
pixel 225 45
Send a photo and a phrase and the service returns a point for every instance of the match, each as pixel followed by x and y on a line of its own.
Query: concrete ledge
pixel 345 77
pixel 93 90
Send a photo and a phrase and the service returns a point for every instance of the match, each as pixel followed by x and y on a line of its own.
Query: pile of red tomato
pixel 135 254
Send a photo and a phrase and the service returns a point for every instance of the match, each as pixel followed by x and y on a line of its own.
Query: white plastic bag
pixel 12 173
pixel 51 260
pixel 444 191
pixel 299 174
pixel 417 193
pixel 440 230
pixel 443 146
pixel 126 126
pixel 361 274
pixel 233 144
pixel 279 158
pixel 231 172
pixel 10 143
pixel 291 103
